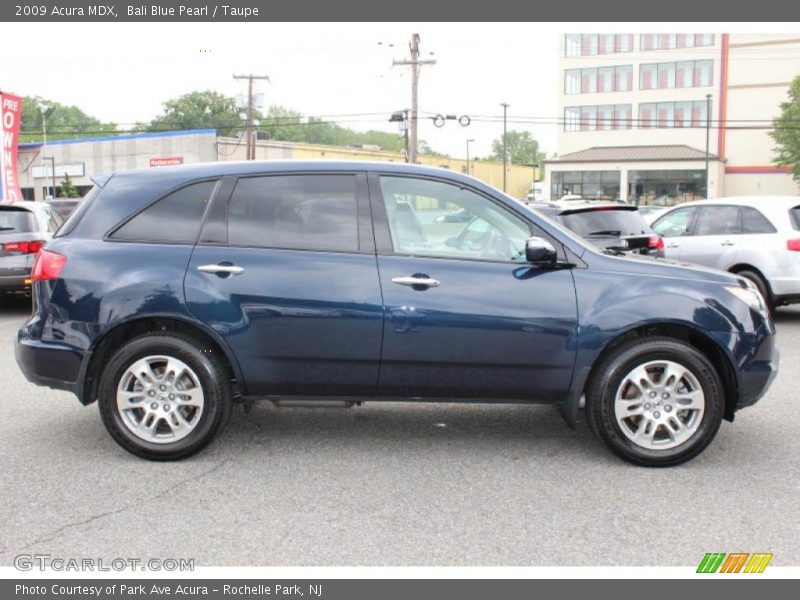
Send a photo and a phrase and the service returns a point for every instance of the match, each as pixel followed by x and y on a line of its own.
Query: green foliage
pixel 200 110
pixel 522 148
pixel 63 122
pixel 68 189
pixel 787 132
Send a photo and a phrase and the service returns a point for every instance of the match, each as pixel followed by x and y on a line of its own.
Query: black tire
pixel 608 377
pixel 214 379
pixel 762 287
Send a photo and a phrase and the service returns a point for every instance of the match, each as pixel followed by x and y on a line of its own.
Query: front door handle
pixel 728 243
pixel 221 269
pixel 422 281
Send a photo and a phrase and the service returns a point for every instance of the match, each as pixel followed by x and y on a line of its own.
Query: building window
pixel 666 188
pixel 685 74
pixel 572 116
pixel 597 118
pixel 654 115
pixel 589 184
pixel 670 41
pixel 594 80
pixel 592 44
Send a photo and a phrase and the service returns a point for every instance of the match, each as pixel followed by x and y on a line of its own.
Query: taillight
pixel 656 242
pixel 793 245
pixel 24 247
pixel 47 265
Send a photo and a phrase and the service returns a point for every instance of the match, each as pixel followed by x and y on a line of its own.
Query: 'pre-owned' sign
pixel 167 161
pixel 10 115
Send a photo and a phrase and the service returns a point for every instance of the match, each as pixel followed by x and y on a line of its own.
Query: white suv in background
pixel 757 237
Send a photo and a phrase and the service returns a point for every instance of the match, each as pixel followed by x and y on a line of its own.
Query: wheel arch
pixel 103 346
pixel 710 348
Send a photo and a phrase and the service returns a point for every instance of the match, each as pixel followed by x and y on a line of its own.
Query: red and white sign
pixel 167 161
pixel 10 116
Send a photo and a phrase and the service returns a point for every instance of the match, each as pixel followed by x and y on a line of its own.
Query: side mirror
pixel 540 252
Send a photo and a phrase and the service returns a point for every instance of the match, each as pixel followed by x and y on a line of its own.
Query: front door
pixel 286 273
pixel 466 316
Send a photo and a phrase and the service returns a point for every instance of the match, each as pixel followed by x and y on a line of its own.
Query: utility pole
pixel 468 141
pixel 505 150
pixel 251 142
pixel 708 138
pixel 43 108
pixel 415 63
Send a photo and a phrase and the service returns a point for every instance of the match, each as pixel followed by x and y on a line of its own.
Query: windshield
pixel 16 220
pixel 598 223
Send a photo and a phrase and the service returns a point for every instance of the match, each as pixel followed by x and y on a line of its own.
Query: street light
pixel 708 138
pixel 468 141
pixel 43 108
pixel 505 152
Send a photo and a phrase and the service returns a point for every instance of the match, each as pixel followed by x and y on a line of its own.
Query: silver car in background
pixel 757 237
pixel 24 228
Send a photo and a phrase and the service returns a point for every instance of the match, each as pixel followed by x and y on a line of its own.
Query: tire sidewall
pixel 215 406
pixel 622 364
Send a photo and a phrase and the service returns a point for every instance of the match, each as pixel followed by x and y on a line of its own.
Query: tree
pixel 68 189
pixel 62 121
pixel 786 132
pixel 521 146
pixel 201 110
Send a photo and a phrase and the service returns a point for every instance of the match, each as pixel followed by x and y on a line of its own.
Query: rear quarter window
pixel 16 220
pixel 754 222
pixel 174 219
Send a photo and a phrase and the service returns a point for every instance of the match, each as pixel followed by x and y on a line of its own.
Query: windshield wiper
pixel 7 228
pixel 606 232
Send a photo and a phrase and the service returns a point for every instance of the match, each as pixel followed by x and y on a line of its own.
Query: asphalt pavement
pixel 394 484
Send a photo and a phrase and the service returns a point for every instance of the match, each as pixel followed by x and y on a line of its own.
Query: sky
pixel 123 72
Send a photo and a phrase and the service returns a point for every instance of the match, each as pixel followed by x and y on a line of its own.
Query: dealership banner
pixel 11 107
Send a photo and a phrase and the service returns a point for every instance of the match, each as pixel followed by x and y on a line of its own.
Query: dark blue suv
pixel 172 293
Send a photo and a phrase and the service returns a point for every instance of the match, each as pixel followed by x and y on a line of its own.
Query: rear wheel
pixel 164 396
pixel 655 402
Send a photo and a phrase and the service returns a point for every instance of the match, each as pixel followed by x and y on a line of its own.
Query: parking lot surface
pixel 394 484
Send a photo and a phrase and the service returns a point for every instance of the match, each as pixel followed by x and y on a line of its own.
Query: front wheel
pixel 164 397
pixel 656 402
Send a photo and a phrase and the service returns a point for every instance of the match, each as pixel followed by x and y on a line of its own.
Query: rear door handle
pixel 728 243
pixel 218 269
pixel 673 245
pixel 414 281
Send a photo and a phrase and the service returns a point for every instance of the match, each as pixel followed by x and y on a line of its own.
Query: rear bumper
pixel 51 365
pixel 15 283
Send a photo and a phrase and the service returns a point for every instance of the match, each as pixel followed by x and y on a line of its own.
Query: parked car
pixel 24 228
pixel 755 237
pixel 64 206
pixel 650 212
pixel 172 293
pixel 614 227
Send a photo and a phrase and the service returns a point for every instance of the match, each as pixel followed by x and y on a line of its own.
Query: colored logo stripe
pixel 735 561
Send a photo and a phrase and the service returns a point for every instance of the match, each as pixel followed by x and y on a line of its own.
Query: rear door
pixel 714 237
pixel 285 271
pixel 466 316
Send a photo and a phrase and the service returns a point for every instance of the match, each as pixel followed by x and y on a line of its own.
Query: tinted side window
pixel 718 220
pixel 675 223
pixel 301 212
pixel 176 218
pixel 795 215
pixel 754 222
pixel 426 219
